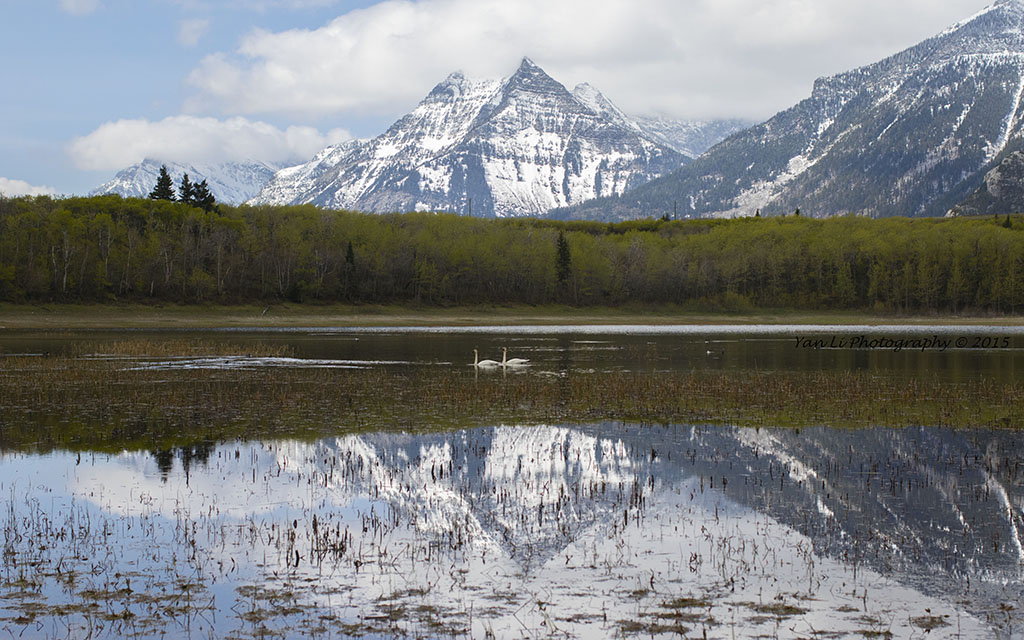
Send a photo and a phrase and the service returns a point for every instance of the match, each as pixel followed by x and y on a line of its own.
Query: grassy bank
pixel 76 316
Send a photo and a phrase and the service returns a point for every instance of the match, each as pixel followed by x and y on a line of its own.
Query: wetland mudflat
pixel 522 527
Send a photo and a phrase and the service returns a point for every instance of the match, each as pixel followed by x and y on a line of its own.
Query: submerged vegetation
pixel 106 248
pixel 152 395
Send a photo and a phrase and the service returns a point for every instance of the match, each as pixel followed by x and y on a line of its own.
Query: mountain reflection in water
pixel 602 530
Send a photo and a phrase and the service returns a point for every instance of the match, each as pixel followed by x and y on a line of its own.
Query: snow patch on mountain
pixel 286 184
pixel 690 137
pixel 599 104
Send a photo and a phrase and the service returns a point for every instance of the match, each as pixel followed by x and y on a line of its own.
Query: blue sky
pixel 92 86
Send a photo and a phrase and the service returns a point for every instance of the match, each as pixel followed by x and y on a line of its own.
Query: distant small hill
pixel 229 182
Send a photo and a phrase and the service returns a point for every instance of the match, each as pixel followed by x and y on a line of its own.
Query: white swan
pixel 512 362
pixel 486 364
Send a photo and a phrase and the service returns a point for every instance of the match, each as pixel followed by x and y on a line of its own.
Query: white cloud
pixel 190 31
pixel 679 57
pixel 255 5
pixel 79 7
pixel 119 144
pixel 13 188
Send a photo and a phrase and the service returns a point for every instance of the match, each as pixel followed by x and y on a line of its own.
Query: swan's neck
pixel 504 356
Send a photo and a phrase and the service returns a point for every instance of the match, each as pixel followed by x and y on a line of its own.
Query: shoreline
pixel 141 316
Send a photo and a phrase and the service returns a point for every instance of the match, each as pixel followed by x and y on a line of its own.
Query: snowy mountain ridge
pixel 910 135
pixel 229 182
pixel 512 147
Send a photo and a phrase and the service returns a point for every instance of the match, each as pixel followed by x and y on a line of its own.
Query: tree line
pixel 108 248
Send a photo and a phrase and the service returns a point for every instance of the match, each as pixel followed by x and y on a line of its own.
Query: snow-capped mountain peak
pixel 517 146
pixel 531 78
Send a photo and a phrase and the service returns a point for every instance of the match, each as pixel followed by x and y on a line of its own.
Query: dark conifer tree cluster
pixel 196 194
pixel 164 189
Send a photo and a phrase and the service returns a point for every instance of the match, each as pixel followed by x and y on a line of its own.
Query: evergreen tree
pixel 202 197
pixel 563 259
pixel 350 256
pixel 187 191
pixel 164 189
pixel 1007 224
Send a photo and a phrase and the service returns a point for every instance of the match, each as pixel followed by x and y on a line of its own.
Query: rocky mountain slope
pixel 513 147
pixel 911 135
pixel 1002 190
pixel 229 182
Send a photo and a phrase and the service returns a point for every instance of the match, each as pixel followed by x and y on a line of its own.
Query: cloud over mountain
pixel 80 7
pixel 13 188
pixel 116 145
pixel 743 58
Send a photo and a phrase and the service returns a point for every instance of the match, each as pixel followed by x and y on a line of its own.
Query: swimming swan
pixel 483 363
pixel 512 362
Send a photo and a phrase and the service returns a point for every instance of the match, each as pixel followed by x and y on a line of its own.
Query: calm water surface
pixel 958 353
pixel 596 530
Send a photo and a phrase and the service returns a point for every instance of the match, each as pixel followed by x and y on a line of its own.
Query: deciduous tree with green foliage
pixel 111 248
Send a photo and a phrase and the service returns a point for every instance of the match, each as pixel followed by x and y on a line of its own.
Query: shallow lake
pixel 951 352
pixel 582 530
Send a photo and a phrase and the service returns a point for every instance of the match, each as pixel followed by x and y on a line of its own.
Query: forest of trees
pixel 108 248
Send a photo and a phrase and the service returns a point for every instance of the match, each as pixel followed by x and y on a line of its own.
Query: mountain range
pixel 911 135
pixel 516 146
pixel 914 134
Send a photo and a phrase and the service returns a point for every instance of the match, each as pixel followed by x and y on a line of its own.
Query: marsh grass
pixel 929 622
pixel 177 348
pixel 107 403
pixel 778 609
